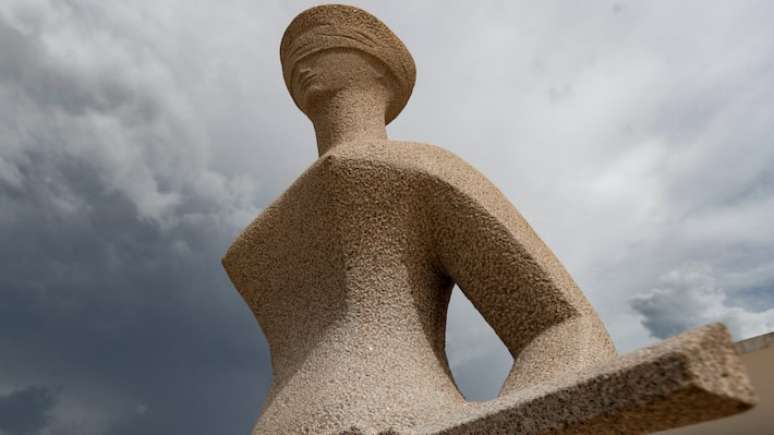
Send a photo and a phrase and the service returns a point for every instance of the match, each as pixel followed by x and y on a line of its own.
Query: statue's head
pixel 332 47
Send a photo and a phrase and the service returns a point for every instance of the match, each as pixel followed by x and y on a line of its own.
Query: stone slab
pixel 757 354
pixel 693 377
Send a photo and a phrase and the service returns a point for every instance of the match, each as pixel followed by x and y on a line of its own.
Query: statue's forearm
pixel 568 347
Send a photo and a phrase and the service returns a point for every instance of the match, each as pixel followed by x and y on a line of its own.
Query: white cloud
pixel 691 296
pixel 103 84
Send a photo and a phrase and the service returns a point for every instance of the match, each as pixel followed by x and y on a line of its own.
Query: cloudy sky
pixel 138 138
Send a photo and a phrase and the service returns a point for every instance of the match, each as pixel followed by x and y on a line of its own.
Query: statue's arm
pixel 513 279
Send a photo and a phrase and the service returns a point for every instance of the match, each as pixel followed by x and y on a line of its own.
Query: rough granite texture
pixel 349 273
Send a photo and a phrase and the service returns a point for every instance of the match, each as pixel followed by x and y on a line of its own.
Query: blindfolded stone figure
pixel 349 272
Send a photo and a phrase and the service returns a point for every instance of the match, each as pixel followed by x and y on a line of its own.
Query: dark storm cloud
pixel 26 411
pixel 103 300
pixel 113 293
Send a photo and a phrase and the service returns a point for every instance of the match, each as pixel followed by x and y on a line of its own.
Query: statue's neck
pixel 350 115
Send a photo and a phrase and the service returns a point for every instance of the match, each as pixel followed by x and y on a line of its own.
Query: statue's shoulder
pixel 447 176
pixel 419 158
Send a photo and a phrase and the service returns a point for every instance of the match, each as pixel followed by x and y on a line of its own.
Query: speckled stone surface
pixel 349 273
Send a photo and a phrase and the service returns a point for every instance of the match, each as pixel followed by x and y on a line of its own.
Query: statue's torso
pixel 340 273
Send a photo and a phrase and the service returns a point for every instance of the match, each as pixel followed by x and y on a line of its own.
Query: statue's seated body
pixel 349 272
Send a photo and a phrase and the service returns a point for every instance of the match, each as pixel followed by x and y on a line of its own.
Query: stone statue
pixel 350 271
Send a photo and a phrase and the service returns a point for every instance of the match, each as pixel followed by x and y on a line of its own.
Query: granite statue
pixel 349 274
